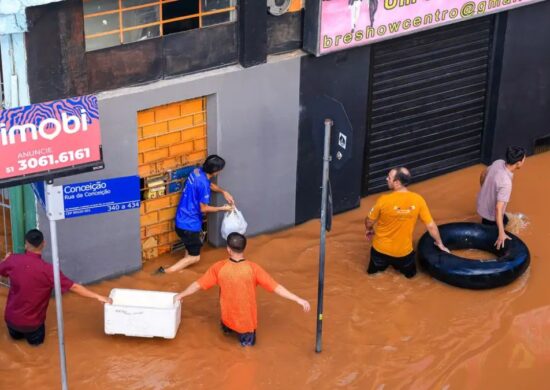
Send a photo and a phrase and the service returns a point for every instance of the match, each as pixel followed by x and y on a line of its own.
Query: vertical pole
pixel 29 205
pixel 321 285
pixel 57 289
pixel 4 205
pixel 17 219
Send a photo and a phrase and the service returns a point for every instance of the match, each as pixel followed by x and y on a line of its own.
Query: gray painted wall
pixel 252 122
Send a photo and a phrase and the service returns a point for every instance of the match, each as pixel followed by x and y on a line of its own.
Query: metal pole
pixel 4 206
pixel 321 285
pixel 58 304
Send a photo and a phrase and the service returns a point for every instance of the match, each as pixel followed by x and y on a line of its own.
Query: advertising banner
pixel 48 140
pixel 332 25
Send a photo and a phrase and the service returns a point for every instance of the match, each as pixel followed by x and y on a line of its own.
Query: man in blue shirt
pixel 194 203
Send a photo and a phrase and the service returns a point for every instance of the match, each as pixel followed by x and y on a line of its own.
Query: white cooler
pixel 142 313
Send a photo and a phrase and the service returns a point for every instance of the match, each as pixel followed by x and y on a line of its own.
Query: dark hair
pixel 403 175
pixel 34 237
pixel 514 154
pixel 237 242
pixel 213 164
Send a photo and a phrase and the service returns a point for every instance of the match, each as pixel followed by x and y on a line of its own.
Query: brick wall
pixel 169 137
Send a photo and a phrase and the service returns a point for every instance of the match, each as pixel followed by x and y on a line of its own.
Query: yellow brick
pixel 173 237
pixel 194 133
pixel 146 144
pixel 181 149
pixel 180 123
pixel 157 204
pixel 156 129
pixel 140 159
pixel 295 5
pixel 149 218
pixel 200 144
pixel 169 139
pixel 155 155
pixel 153 230
pixel 140 133
pixel 199 119
pixel 165 113
pixel 174 199
pixel 167 214
pixel 142 209
pixel 150 254
pixel 170 163
pixel 147 170
pixel 196 157
pixel 164 249
pixel 142 233
pixel 191 106
pixel 163 238
pixel 146 117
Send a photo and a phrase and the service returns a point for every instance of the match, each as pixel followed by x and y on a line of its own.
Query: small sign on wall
pixel 333 25
pixel 88 198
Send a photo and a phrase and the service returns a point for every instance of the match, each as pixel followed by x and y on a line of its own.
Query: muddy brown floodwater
pixel 380 332
pixel 474 254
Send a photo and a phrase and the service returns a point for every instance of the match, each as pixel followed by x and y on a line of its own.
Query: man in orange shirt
pixel 238 279
pixel 395 216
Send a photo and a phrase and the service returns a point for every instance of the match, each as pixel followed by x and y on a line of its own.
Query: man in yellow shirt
pixel 395 216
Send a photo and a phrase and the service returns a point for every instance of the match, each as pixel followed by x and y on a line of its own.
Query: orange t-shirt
pixel 396 215
pixel 238 281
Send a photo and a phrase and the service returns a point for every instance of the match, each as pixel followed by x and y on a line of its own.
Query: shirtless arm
pixel 369 228
pixel 191 289
pixel 283 292
pixel 87 293
pixel 228 197
pixel 434 232
pixel 205 208
pixel 502 236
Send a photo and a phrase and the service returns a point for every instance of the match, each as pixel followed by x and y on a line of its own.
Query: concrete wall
pixel 523 112
pixel 252 122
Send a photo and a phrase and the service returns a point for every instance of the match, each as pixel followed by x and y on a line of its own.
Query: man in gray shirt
pixel 496 188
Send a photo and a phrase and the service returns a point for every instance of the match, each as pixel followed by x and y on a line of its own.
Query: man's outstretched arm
pixel 283 292
pixel 87 293
pixel 191 289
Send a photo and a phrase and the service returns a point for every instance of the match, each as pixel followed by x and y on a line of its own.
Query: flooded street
pixel 380 332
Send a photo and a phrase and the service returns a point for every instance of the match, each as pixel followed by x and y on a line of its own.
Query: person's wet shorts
pixel 35 337
pixel 380 261
pixel 247 339
pixel 493 223
pixel 191 240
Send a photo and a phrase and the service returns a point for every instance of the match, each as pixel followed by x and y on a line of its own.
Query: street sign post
pixel 324 219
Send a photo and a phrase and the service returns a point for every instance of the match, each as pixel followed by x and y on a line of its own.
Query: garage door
pixel 428 100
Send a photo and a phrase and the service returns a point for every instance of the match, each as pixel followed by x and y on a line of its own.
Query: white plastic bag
pixel 233 221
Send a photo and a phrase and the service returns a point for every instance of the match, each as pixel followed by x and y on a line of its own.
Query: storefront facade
pixel 435 101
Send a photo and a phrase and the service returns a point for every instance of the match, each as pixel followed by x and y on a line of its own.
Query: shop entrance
pixel 428 98
pixel 172 140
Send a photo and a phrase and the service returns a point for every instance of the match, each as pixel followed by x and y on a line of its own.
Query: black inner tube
pixel 509 263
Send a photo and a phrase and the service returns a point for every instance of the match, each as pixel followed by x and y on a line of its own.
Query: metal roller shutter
pixel 428 99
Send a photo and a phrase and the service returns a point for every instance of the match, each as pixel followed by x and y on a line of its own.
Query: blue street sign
pixel 101 196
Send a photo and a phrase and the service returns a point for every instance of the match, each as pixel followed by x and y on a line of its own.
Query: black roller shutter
pixel 428 101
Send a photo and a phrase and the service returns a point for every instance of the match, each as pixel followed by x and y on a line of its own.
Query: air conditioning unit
pixel 278 7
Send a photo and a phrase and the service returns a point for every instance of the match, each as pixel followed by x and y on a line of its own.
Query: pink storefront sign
pixel 333 25
pixel 48 140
